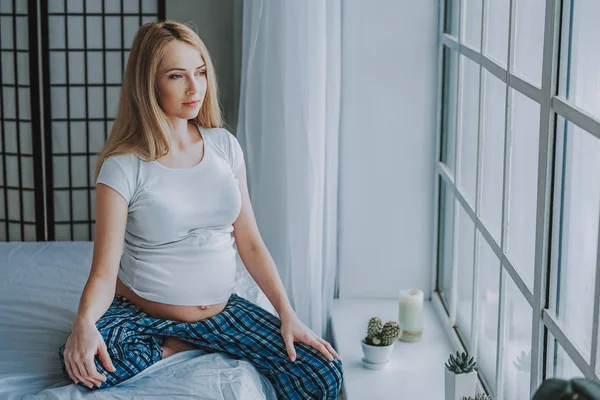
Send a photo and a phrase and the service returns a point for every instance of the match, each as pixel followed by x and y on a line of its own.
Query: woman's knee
pixel 98 365
pixel 336 377
pixel 330 379
pixel 129 358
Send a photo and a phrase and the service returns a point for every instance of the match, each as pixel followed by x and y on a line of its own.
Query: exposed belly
pixel 170 311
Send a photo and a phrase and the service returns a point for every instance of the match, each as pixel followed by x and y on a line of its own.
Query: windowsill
pixel 416 370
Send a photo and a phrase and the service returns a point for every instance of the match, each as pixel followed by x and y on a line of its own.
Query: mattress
pixel 40 286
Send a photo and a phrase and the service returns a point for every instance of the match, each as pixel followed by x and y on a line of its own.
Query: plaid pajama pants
pixel 241 330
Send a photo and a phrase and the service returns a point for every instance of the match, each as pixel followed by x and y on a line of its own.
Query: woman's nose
pixel 192 87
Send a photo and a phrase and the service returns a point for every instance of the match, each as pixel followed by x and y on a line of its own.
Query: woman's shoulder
pixel 220 137
pixel 125 159
pixel 228 145
pixel 121 172
pixel 128 163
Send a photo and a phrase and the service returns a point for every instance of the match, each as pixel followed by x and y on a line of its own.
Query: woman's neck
pixel 180 137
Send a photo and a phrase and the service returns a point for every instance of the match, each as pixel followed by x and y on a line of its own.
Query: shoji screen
pixel 85 43
pixel 21 178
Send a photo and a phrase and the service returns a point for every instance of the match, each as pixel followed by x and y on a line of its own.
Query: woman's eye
pixel 177 76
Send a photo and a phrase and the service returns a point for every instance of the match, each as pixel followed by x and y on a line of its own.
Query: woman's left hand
pixel 293 330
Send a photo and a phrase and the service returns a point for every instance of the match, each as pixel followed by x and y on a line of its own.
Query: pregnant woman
pixel 171 201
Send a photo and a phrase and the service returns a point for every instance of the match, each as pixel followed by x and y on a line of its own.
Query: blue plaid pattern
pixel 241 330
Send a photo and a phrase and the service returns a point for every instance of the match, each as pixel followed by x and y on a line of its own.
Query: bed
pixel 40 286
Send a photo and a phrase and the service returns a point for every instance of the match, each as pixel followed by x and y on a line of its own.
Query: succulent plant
pixel 461 364
pixel 380 334
pixel 523 361
pixel 479 396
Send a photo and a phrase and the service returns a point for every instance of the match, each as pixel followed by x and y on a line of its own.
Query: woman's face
pixel 181 81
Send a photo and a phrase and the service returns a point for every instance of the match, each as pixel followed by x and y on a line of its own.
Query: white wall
pixel 387 149
pixel 389 58
pixel 219 25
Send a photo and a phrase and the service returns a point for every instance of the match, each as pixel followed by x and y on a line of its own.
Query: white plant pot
pixel 460 385
pixel 377 354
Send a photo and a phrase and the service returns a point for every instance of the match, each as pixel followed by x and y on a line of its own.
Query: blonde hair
pixel 140 126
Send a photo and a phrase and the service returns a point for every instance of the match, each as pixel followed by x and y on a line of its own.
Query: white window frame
pixel 544 320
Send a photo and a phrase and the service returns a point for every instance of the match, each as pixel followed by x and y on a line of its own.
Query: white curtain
pixel 289 129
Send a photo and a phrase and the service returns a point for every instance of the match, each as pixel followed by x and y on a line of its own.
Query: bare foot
pixel 173 346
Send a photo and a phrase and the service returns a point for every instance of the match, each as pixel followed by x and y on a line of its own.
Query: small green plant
pixel 380 334
pixel 461 364
pixel 479 396
pixel 523 362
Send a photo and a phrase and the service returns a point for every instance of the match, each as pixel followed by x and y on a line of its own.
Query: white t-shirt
pixel 178 245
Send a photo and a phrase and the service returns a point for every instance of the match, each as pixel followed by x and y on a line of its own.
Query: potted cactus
pixel 461 376
pixel 379 343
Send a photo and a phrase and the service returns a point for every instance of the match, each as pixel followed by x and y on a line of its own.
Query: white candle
pixel 410 315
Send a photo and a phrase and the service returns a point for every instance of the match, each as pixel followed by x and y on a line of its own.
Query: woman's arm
pixel 85 341
pixel 261 267
pixel 99 291
pixel 254 253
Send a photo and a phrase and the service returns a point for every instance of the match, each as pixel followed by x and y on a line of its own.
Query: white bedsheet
pixel 40 286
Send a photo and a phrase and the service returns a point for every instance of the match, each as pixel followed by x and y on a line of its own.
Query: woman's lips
pixel 191 104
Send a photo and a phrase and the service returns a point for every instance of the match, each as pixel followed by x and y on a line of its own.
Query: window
pixel 518 188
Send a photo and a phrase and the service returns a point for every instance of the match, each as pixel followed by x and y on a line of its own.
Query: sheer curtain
pixel 289 129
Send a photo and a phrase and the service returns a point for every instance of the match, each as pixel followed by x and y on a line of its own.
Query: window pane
pixel 93 6
pixel 469 126
pixel 149 6
pixel 75 6
pixel 583 86
pixel 465 247
pixel 131 7
pixel 472 24
pixel 578 237
pixel 5 7
pixel 560 364
pixel 496 44
pixel 80 204
pixel 487 332
pixel 493 153
pixel 529 40
pixel 452 14
pixel 517 353
pixel 62 207
pixel 14 232
pixel 445 235
pixel 81 232
pixel 449 108
pixel 522 195
pixel 62 232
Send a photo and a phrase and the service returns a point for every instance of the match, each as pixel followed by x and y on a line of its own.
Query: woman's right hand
pixel 83 344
